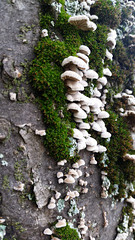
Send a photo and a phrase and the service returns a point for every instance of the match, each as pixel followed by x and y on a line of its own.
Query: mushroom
pixel 84 125
pixel 93 160
pixel 69 179
pixel 96 127
pixel 52 204
pixel 60 180
pixel 73 172
pixel 85 190
pixel 73 107
pixel 84 49
pixel 109 55
pixel 75 165
pixel 70 75
pixel 59 174
pixel 12 96
pixel 77 134
pixel 96 93
pixel 61 223
pixel 107 72
pixel 101 148
pixel 85 133
pixel 83 57
pixel 129 157
pixel 92 148
pixel 82 22
pixel 44 33
pixel 102 80
pixel 91 141
pixel 132 201
pixel 40 132
pixel 74 68
pixel 57 195
pixel 81 64
pixel 79 172
pixel 81 144
pixel 105 135
pixel 80 114
pixel 48 231
pixel 91 74
pixel 74 86
pixel 62 163
pixel 93 17
pixel 103 114
pixel 81 162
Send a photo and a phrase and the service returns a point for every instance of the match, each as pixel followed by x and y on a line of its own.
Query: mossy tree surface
pixel 46 71
pixel 67 233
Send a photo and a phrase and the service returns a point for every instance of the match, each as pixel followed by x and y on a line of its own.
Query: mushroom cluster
pixel 75 77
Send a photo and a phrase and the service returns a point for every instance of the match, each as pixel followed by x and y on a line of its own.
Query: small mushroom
pixel 61 223
pixel 59 174
pixel 48 231
pixel 69 179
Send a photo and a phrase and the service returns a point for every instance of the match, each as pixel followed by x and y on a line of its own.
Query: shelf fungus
pixel 82 22
pixel 61 223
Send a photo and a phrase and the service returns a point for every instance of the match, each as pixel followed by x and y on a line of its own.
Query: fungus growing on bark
pixel 82 22
pixel 47 231
pixel 96 127
pixel 74 86
pixel 59 174
pixel 85 50
pixel 93 160
pixel 91 142
pixel 84 125
pixel 61 223
pixel 107 72
pixel 103 114
pixel 80 114
pixel 69 179
pixel 109 55
pixel 52 204
pixel 70 75
pixel 44 33
pixel 91 74
pixel 62 163
pixel 105 135
pixel 102 80
pixel 81 64
pixel 83 57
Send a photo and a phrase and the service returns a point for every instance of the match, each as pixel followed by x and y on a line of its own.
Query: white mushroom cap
pixel 59 174
pixel 91 141
pixel 93 17
pixel 44 33
pixel 73 107
pixel 69 179
pixel 82 22
pixel 78 120
pixel 73 172
pixel 91 74
pixel 103 80
pixel 111 42
pixel 61 223
pixel 84 83
pixel 85 190
pixel 83 57
pixel 107 72
pixel 74 68
pixel 96 127
pixel 81 144
pixel 109 55
pixel 85 6
pixel 85 133
pixel 77 134
pixel 105 135
pixel 132 201
pixel 86 108
pixel 84 125
pixel 92 148
pixel 75 165
pixel 81 162
pixel 128 91
pixel 96 93
pixel 103 114
pixel 101 148
pixel 48 231
pixel 84 49
pixel 62 163
pixel 93 161
pixel 76 61
pixel 80 114
pixel 79 172
pixel 51 205
pixel 99 86
pixel 60 180
pixel 74 86
pixel 118 95
pixel 70 75
pixel 57 195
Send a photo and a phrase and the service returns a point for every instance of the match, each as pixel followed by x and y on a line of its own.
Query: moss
pixel 5 183
pixel 66 233
pixel 46 70
pixel 119 144
pixel 107 13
